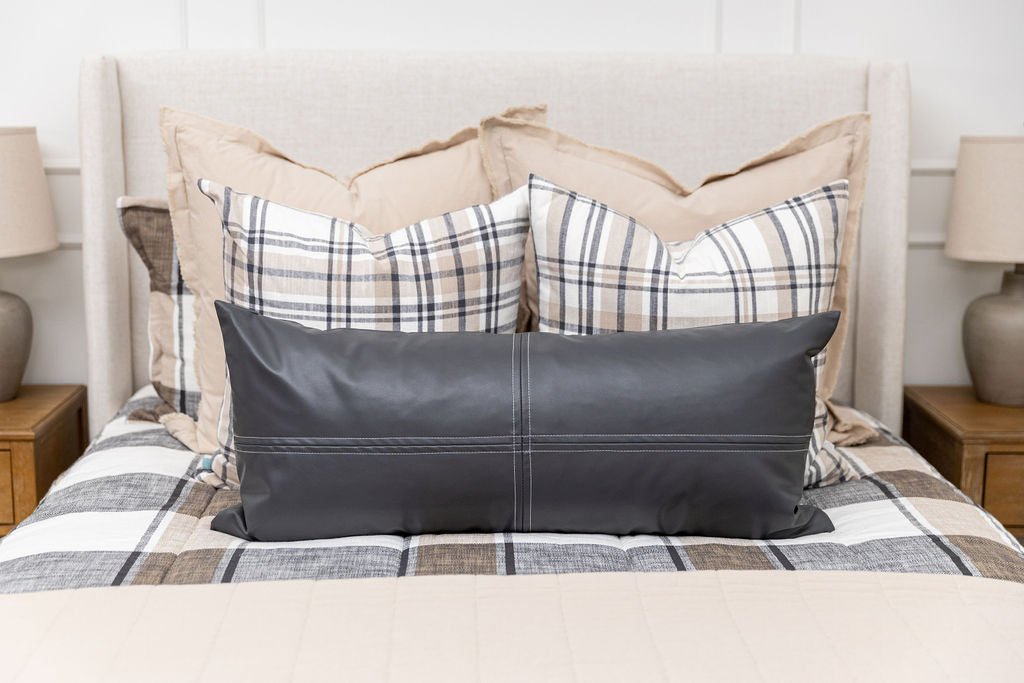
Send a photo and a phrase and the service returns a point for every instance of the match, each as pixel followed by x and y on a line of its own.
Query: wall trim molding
pixel 69 240
pixel 798 25
pixel 932 167
pixel 918 167
pixel 926 239
pixel 62 167
pixel 719 37
pixel 183 18
pixel 261 24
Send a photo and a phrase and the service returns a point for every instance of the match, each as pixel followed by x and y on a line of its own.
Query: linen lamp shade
pixel 986 221
pixel 27 225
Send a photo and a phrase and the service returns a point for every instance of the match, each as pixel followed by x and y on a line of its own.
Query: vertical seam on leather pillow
pixel 515 486
pixel 529 428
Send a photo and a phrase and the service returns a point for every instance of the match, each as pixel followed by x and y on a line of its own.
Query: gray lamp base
pixel 15 342
pixel 994 342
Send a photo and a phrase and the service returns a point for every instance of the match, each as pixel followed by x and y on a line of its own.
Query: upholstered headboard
pixel 343 110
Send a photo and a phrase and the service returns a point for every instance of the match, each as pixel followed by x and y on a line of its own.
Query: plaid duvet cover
pixel 130 512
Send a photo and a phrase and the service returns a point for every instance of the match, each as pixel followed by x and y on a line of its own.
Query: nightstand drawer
pixel 1004 487
pixel 6 487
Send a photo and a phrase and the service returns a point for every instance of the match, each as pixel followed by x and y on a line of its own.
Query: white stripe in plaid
pixel 600 271
pixel 456 272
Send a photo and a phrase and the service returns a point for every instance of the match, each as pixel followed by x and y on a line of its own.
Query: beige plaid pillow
pixel 600 271
pixel 459 272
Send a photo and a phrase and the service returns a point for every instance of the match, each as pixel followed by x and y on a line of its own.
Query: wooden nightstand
pixel 42 431
pixel 977 446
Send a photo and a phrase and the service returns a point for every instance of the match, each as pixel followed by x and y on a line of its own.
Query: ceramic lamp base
pixel 15 341
pixel 994 342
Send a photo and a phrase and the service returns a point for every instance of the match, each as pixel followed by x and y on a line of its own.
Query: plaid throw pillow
pixel 600 271
pixel 147 225
pixel 457 272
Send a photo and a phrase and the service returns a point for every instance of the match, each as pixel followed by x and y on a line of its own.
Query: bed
pixel 912 558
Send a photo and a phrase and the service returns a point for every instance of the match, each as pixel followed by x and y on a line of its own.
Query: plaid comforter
pixel 130 512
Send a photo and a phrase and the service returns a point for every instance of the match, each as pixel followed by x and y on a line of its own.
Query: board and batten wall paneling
pixel 938 291
pixel 759 26
pixel 965 61
pixel 562 25
pixel 41 44
pixel 966 64
pixel 51 284
pixel 223 24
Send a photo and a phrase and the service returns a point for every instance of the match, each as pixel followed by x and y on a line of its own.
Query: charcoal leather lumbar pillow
pixel 682 432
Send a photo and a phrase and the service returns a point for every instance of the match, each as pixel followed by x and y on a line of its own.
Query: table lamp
pixel 986 223
pixel 27 226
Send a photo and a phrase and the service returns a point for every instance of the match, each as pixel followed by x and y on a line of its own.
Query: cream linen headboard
pixel 343 110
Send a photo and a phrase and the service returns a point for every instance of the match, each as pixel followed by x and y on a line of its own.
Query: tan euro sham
pixel 440 177
pixel 512 150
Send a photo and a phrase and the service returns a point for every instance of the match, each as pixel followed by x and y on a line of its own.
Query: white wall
pixel 966 65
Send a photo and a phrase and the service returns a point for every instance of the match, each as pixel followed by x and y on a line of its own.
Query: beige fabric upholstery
pixel 118 363
pixel 345 110
pixel 688 626
pixel 880 292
